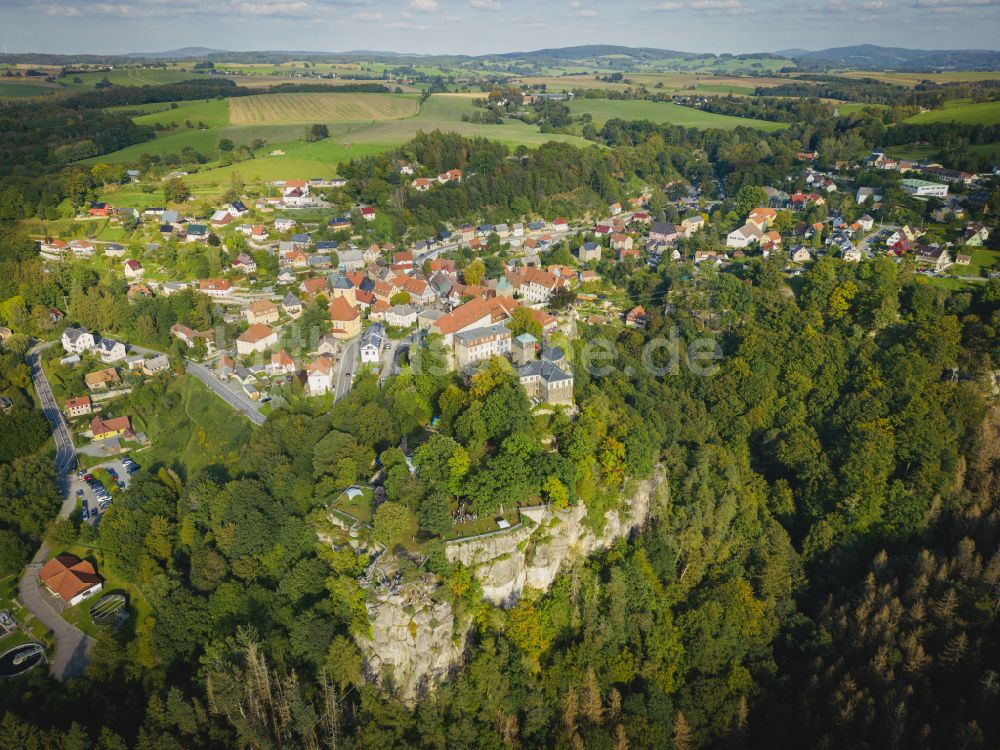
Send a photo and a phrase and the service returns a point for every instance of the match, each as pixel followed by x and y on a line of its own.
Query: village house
pixel 112 427
pixel 77 407
pixel 534 285
pixel 692 224
pixel 372 341
pixel 244 263
pixel 261 311
pixel 77 340
pixel 292 305
pixel 636 317
pixel 256 338
pixel 155 365
pixel 799 254
pixel 114 250
pixel 221 218
pixel 81 248
pixel 281 363
pixel 101 380
pixel 110 350
pixel 621 242
pixel 190 336
pixel 215 287
pixel 762 218
pixel 401 316
pixel 195 233
pixel 319 375
pixel 933 255
pixel 133 269
pixel 663 232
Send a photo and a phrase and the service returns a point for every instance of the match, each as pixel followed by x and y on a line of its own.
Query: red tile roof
pixel 67 576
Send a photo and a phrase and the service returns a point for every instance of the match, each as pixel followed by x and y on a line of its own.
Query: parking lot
pixel 84 492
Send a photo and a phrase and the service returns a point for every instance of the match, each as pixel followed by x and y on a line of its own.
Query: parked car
pixel 86 511
pixel 79 493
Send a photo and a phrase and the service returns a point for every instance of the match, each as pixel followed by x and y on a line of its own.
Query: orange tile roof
pixel 67 576
pixel 342 310
pixel 256 332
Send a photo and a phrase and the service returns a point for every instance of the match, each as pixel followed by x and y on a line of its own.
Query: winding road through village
pixel 72 644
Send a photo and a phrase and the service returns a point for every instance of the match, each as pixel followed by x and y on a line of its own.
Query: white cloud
pixel 486 4
pixel 587 12
pixel 424 6
pixel 715 5
pixel 62 10
pixel 707 6
pixel 371 16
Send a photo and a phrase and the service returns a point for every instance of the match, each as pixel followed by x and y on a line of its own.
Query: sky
pixel 486 26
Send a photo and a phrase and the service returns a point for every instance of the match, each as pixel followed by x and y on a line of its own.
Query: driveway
pixel 72 645
pixel 237 399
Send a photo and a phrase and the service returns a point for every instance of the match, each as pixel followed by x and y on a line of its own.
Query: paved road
pixel 348 366
pixel 237 399
pixel 65 452
pixel 72 645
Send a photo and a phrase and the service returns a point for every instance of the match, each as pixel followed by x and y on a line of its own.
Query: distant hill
pixel 586 51
pixel 873 57
pixel 176 54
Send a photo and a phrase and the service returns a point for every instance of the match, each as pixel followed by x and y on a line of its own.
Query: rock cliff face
pixel 531 554
pixel 411 640
pixel 414 634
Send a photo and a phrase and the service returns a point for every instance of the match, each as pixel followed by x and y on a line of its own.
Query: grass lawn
pixel 963 111
pixel 189 428
pixel 19 89
pixel 359 506
pixel 983 260
pixel 35 629
pixel 484 525
pixel 664 112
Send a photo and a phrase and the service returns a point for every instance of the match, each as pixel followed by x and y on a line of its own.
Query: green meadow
pixel 962 111
pixel 663 112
